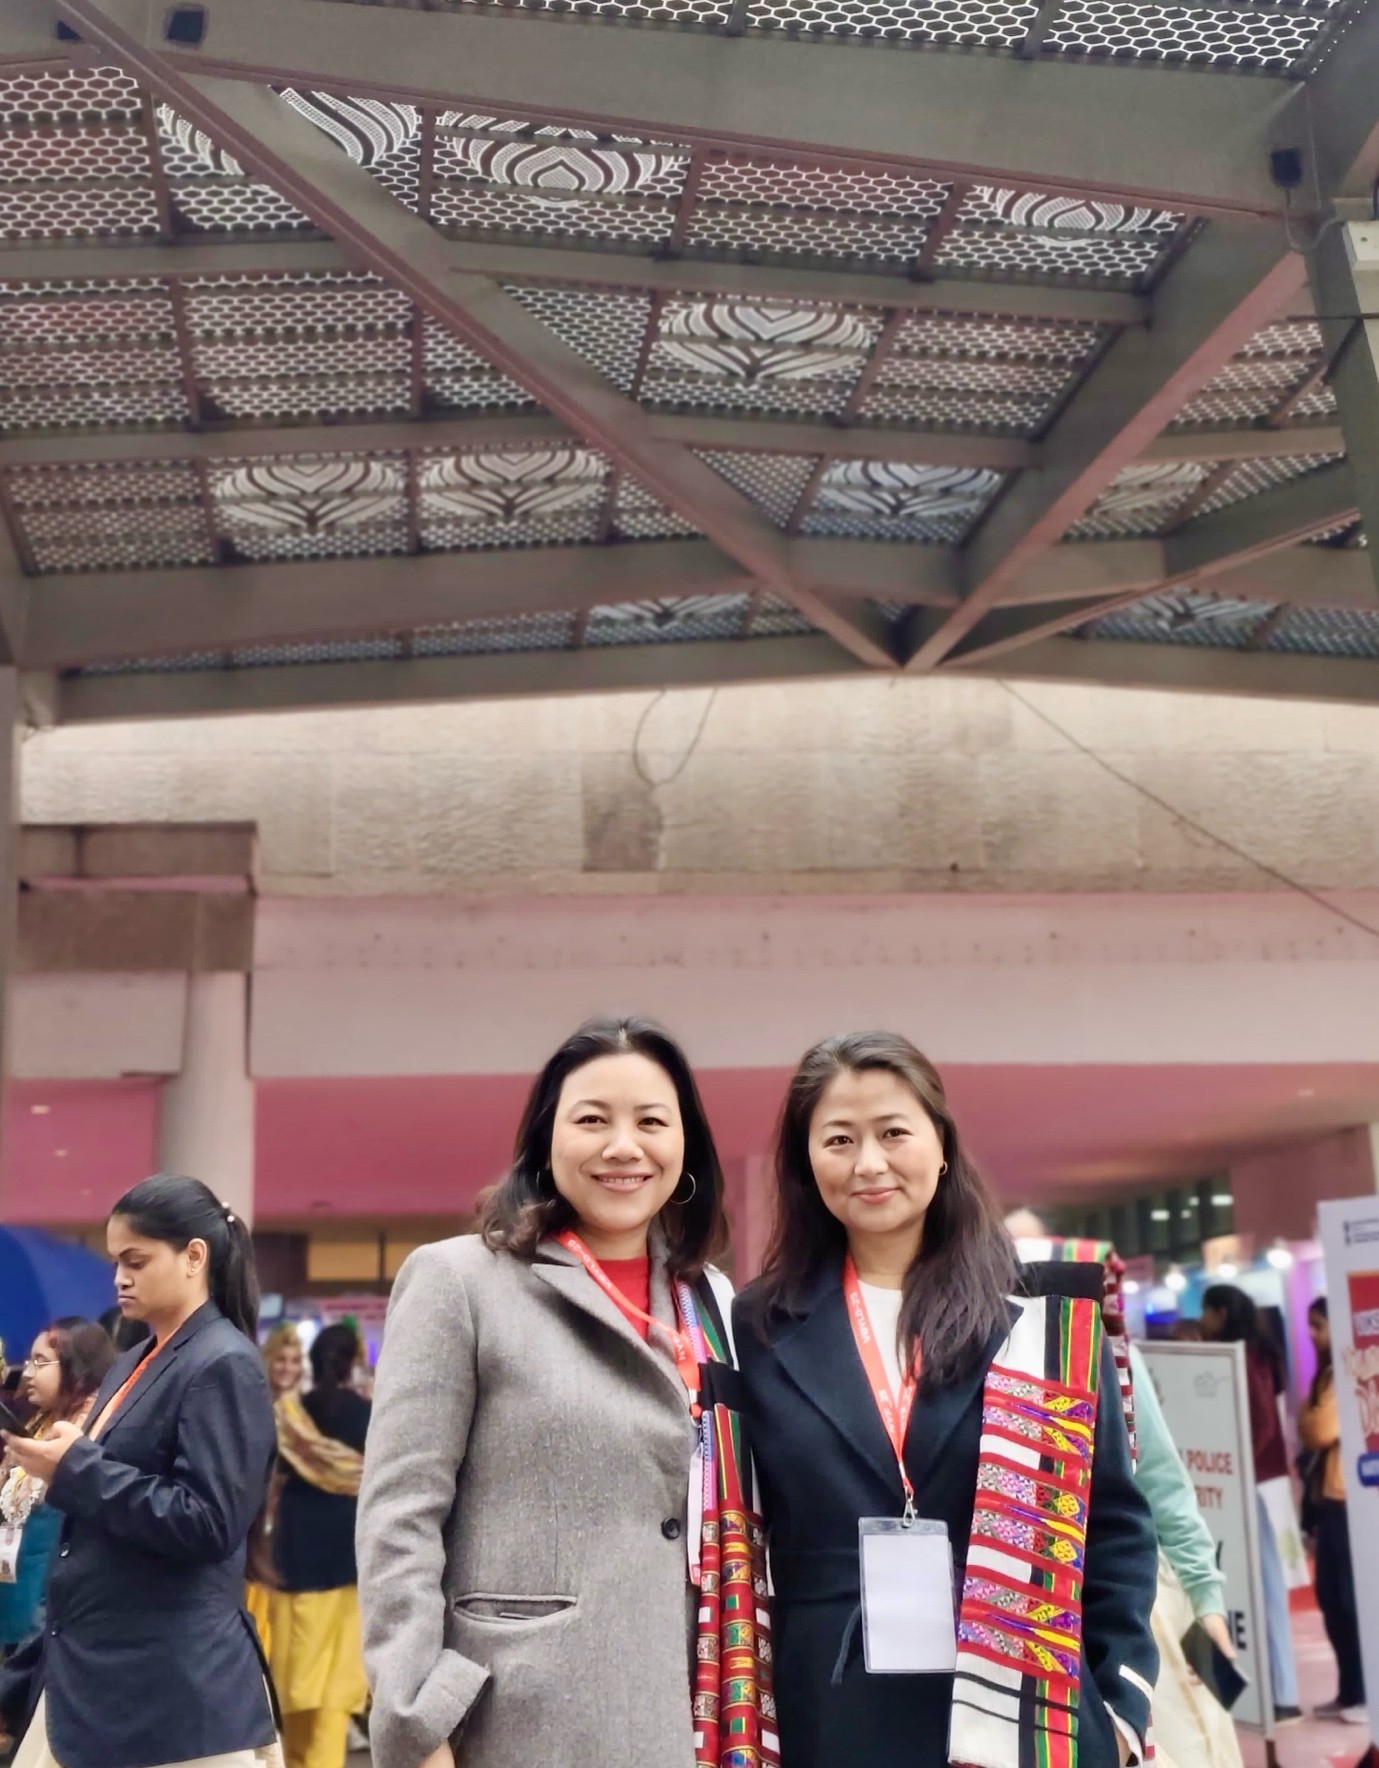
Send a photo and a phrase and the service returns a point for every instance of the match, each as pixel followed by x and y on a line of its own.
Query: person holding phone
pixel 68 1362
pixel 147 1657
pixel 964 1568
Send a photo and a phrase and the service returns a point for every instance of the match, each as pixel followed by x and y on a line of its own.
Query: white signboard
pixel 1207 1406
pixel 1350 1244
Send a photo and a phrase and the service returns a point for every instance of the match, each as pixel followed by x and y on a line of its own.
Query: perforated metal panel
pixel 1272 39
pixel 1185 618
pixel 883 500
pixel 777 619
pixel 971 23
pixel 684 618
pixel 1328 632
pixel 522 632
pixel 605 328
pixel 773 482
pixel 637 515
pixel 1253 476
pixel 345 650
pixel 1142 501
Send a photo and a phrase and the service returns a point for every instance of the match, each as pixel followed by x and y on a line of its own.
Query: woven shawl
pixel 321 1460
pixel 1017 1684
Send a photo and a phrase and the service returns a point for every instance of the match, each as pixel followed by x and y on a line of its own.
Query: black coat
pixel 823 1460
pixel 313 1536
pixel 147 1655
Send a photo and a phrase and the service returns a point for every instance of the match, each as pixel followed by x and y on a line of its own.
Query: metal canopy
pixel 366 350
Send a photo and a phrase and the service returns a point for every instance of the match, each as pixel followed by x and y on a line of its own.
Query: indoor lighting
pixel 1280 1257
pixel 40 1110
pixel 1221 1200
pixel 1175 1280
pixel 1228 1271
pixel 1130 1286
pixel 1160 1215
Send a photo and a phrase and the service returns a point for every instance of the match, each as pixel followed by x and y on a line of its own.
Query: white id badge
pixel 908 1624
pixel 11 1534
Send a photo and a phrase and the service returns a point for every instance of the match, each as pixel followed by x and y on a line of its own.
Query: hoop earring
pixel 943 1168
pixel 694 1190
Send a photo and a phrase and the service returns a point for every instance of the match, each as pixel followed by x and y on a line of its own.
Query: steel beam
pixel 389 435
pixel 1230 283
pixel 14 587
pixel 264 255
pixel 1192 669
pixel 1053 124
pixel 1345 278
pixel 512 675
pixel 86 618
pixel 270 138
pixel 1197 553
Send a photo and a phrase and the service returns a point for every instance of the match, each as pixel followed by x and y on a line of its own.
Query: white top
pixel 883 1310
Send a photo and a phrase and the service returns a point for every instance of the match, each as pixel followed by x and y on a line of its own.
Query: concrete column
pixel 10 747
pixel 206 1121
pixel 750 1189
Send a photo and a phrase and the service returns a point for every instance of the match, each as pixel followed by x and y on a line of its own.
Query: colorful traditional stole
pixel 734 1709
pixel 1018 1679
pixel 321 1460
pixel 1099 1252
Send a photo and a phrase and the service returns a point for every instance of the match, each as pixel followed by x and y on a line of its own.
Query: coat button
pixel 63 1552
pixel 670 1528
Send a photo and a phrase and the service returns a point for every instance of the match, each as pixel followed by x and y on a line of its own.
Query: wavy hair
pixel 525 1208
pixel 953 1296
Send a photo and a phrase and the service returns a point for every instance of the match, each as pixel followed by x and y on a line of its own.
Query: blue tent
pixel 41 1279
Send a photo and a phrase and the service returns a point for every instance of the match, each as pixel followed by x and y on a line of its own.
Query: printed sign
pixel 1349 1232
pixel 1206 1404
pixel 1362 1366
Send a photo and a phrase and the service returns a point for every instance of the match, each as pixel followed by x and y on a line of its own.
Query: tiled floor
pixel 1315 1743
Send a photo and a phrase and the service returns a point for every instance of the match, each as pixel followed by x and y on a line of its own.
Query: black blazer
pixel 823 1460
pixel 147 1655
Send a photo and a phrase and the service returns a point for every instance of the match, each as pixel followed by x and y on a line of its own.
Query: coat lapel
pixel 163 1360
pixel 564 1273
pixel 819 1354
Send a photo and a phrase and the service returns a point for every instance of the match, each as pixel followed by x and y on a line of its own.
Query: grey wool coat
pixel 522 1554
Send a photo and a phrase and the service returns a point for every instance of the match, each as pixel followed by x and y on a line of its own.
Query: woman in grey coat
pixel 524 1523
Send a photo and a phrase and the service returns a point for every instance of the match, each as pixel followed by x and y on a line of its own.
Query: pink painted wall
pixel 72 1147
pixel 1277 1192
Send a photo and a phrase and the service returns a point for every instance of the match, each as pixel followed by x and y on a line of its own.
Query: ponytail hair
pixel 178 1211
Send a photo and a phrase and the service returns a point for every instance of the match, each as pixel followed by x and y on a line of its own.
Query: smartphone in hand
pixel 1221 1676
pixel 12 1422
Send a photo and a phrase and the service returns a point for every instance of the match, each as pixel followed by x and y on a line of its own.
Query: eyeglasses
pixel 39 1363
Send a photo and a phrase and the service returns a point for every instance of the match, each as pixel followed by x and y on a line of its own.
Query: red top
pixel 633 1277
pixel 1266 1428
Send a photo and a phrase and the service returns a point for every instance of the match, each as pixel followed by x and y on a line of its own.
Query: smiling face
pixel 43 1375
pixel 285 1368
pixel 154 1281
pixel 876 1154
pixel 617 1150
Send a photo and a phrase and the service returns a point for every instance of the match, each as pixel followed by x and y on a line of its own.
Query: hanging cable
pixel 684 761
pixel 1250 859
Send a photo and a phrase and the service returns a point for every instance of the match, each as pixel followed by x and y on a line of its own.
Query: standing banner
pixel 1206 1403
pixel 1350 1246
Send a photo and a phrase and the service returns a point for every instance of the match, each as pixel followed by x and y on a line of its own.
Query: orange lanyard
pixel 117 1399
pixel 895 1418
pixel 686 1362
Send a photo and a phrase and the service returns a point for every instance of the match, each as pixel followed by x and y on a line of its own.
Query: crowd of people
pixel 881 1506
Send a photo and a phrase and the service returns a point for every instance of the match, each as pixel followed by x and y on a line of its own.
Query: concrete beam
pixel 134 930
pixel 173 855
pixel 1054 124
pixel 1345 276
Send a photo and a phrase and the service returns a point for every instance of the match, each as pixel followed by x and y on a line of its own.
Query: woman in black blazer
pixel 147 1657
pixel 890 1373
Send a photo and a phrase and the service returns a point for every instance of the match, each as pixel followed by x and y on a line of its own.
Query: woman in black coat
pixel 890 1373
pixel 147 1656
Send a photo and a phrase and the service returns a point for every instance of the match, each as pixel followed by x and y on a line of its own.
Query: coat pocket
pixel 512 1611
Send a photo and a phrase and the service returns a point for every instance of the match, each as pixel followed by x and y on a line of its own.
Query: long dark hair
pixel 1324 1358
pixel 84 1356
pixel 334 1352
pixel 178 1211
pixel 1241 1324
pixel 954 1292
pixel 525 1207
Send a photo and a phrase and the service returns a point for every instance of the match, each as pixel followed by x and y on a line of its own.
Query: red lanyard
pixel 686 1361
pixel 117 1399
pixel 895 1418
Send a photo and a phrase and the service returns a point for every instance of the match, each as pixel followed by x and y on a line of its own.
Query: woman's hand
pixel 1215 1628
pixel 40 1458
pixel 444 1757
